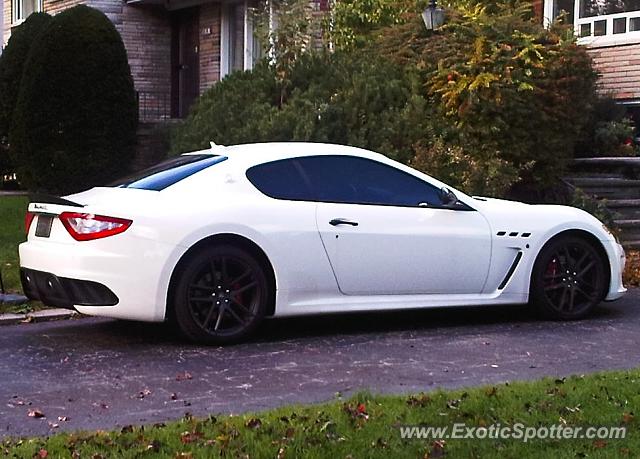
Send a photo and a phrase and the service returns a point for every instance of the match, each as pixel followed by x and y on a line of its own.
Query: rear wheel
pixel 221 295
pixel 569 278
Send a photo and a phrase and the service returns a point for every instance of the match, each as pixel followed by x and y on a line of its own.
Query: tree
pixel 11 68
pixel 75 119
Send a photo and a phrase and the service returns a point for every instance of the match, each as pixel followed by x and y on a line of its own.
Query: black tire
pixel 221 295
pixel 569 279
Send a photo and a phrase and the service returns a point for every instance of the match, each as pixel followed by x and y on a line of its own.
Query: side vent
pixel 513 234
pixel 512 269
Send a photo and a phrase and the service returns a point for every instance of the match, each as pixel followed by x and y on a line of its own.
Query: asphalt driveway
pixel 100 374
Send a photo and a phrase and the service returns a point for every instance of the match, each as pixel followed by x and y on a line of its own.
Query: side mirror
pixel 448 197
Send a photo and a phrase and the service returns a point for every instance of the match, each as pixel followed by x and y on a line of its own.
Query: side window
pixel 349 179
pixel 280 180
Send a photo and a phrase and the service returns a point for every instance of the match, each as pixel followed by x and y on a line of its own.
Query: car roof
pixel 259 153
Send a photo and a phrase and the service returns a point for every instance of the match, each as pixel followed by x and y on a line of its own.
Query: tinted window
pixel 349 179
pixel 280 180
pixel 169 172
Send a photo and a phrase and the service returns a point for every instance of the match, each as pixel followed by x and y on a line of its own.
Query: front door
pixel 185 77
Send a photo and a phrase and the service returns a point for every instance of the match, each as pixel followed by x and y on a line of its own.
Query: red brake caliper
pixel 552 269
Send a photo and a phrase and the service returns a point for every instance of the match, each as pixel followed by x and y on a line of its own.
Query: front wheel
pixel 221 295
pixel 569 279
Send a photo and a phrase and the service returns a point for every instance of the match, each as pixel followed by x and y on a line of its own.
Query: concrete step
pixel 598 182
pixel 628 223
pixel 622 203
pixel 631 244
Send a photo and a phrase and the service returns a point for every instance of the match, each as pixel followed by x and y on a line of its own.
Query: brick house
pixel 610 29
pixel 176 48
pixel 179 48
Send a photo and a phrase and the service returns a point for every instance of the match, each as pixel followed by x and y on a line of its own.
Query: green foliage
pixel 490 100
pixel 354 23
pixel 285 27
pixel 334 98
pixel 75 118
pixel 452 165
pixel 608 131
pixel 595 207
pixel 614 138
pixel 510 87
pixel 12 62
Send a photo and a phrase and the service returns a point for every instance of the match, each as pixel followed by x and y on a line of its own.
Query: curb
pixel 46 315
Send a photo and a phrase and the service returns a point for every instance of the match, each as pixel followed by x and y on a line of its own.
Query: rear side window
pixel 168 173
pixel 280 180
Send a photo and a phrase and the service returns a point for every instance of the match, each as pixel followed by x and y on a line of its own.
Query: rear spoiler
pixel 50 199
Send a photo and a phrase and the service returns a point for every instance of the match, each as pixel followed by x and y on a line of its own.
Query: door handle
pixel 342 221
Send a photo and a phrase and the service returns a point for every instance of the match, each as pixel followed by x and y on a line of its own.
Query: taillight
pixel 28 219
pixel 86 227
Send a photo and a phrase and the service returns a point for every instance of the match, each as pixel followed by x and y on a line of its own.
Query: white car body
pixel 397 258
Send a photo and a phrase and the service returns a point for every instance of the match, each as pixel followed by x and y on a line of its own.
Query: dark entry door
pixel 185 78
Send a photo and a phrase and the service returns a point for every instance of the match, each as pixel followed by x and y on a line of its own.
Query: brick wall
pixel 209 45
pixel 146 32
pixel 619 69
pixel 6 16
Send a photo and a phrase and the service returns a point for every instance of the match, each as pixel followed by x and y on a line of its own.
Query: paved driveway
pixel 102 373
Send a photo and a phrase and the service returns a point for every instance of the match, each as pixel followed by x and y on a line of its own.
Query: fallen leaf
pixel 174 396
pixel 437 450
pixel 184 376
pixel 42 453
pixel 627 418
pixel 63 418
pixel 253 423
pixel 35 414
pixel 190 437
pixel 599 444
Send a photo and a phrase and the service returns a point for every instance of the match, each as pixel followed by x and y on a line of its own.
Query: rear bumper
pixel 63 292
pixel 127 277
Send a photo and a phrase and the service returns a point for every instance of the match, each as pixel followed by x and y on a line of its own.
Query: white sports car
pixel 219 239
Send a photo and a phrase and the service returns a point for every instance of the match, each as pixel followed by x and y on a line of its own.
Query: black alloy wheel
pixel 221 296
pixel 569 278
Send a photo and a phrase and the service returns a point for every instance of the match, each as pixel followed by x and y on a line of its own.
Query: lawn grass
pixel 12 211
pixel 368 426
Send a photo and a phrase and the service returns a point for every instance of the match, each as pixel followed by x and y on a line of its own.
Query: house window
pixel 239 48
pixel 598 20
pixel 21 9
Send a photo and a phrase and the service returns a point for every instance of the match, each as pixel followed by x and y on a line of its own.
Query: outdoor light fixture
pixel 433 16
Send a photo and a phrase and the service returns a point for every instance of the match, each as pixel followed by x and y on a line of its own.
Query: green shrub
pixel 354 23
pixel 12 62
pixel 490 100
pixel 334 98
pixel 76 117
pixel 511 88
pixel 614 138
pixel 452 165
